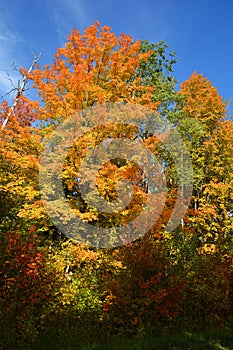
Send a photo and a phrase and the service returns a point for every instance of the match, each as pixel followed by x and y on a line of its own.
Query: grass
pixel 221 339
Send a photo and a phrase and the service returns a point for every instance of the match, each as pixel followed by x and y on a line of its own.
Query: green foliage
pixel 157 72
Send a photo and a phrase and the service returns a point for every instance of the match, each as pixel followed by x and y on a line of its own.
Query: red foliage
pixel 145 290
pixel 23 268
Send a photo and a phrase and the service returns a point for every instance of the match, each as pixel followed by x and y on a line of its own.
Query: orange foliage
pixel 202 101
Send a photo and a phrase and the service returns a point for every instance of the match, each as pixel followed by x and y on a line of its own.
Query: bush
pixel 144 292
pixel 25 286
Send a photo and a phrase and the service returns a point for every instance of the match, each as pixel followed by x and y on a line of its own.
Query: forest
pixel 129 275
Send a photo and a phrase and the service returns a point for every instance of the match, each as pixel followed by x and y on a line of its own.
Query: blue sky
pixel 200 31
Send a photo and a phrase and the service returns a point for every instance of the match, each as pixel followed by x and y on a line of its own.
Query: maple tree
pixel 19 151
pixel 209 137
pixel 93 68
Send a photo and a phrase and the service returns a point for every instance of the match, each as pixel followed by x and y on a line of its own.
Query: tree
pixel 19 151
pixel 209 137
pixel 91 69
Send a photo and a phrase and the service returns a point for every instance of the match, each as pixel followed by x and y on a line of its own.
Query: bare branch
pixel 21 88
pixel 14 67
pixel 10 80
pixel 8 93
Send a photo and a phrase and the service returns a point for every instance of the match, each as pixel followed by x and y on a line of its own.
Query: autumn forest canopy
pixel 56 283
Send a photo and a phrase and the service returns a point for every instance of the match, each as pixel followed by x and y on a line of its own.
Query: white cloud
pixel 9 42
pixel 5 33
pixel 80 13
pixel 66 15
pixel 5 37
pixel 6 71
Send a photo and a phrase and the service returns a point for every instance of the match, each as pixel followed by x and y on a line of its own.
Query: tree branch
pixel 21 88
